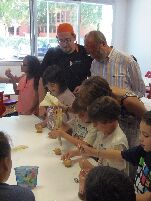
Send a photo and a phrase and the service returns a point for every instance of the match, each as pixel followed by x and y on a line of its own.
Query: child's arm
pixel 70 154
pixel 12 80
pixel 144 197
pixel 60 133
pixel 43 123
pixel 104 153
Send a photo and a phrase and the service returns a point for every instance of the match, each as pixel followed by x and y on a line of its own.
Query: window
pixel 16 25
pixel 96 17
pixel 15 29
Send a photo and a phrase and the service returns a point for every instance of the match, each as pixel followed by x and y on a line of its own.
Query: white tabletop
pixel 147 103
pixel 147 81
pixel 55 182
pixel 7 88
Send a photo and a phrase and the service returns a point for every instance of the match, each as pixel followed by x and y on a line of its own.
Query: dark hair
pixel 147 118
pixel 104 109
pixel 77 106
pixel 54 74
pixel 108 184
pixel 34 69
pixel 93 88
pixel 4 146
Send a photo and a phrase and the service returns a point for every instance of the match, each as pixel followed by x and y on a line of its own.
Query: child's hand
pixel 8 74
pixel 55 133
pixel 85 150
pixel 40 124
pixel 67 155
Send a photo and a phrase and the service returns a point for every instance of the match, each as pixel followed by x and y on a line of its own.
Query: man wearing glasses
pixel 70 56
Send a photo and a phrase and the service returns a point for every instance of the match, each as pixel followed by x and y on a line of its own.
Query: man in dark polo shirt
pixel 71 57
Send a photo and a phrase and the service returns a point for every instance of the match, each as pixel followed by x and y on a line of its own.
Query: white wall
pixel 138 32
pixel 119 21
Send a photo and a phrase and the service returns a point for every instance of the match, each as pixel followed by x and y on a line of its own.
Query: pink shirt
pixel 27 98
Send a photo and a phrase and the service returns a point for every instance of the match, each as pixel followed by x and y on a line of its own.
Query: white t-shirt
pixel 116 140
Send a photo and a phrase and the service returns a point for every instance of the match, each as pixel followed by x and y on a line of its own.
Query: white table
pixel 55 182
pixel 147 103
pixel 7 88
pixel 147 81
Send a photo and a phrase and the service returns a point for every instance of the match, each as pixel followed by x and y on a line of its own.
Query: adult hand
pixel 67 155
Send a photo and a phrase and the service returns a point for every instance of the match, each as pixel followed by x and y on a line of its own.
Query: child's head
pixel 53 79
pixel 108 184
pixel 5 158
pixel 145 128
pixel 93 88
pixel 80 109
pixel 31 66
pixel 104 113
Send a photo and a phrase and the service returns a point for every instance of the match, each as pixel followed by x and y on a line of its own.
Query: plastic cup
pixel 26 176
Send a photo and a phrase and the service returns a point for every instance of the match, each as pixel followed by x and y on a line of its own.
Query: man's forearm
pixel 144 197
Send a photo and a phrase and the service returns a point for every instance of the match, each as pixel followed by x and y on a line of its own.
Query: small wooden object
pixel 57 151
pixel 67 162
pixel 38 128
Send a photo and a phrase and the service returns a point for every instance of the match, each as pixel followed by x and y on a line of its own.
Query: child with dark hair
pixel 139 156
pixel 27 89
pixel 80 128
pixel 55 84
pixel 10 192
pixel 104 113
pixel 108 184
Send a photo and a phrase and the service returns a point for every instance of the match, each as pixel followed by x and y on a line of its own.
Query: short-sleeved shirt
pixel 121 71
pixel 15 193
pixel 116 140
pixel 82 130
pixel 138 157
pixel 76 65
pixel 27 96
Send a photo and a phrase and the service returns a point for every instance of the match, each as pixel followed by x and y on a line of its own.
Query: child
pixel 80 127
pixel 109 184
pixel 139 156
pixel 10 192
pixel 104 113
pixel 27 89
pixel 55 83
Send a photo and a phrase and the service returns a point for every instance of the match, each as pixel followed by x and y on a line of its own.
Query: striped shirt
pixel 120 70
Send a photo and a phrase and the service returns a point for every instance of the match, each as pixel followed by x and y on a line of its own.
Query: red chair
pixel 2 106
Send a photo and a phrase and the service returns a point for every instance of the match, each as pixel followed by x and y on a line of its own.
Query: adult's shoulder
pixel 82 49
pixel 83 52
pixel 54 50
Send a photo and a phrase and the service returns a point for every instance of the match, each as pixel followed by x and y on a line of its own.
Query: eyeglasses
pixel 67 40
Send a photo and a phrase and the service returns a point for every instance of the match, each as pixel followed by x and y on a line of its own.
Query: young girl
pixel 27 89
pixel 55 84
